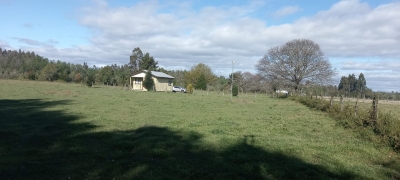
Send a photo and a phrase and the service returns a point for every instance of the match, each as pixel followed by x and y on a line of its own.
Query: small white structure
pixel 162 81
pixel 282 91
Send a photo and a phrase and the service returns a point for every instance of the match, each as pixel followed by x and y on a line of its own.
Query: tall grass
pixel 386 127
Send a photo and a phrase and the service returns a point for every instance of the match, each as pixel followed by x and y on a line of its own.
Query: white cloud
pixel 287 10
pixel 361 32
pixel 230 32
pixel 217 35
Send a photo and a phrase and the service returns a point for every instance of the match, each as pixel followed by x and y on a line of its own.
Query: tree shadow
pixel 160 153
pixel 30 131
pixel 38 143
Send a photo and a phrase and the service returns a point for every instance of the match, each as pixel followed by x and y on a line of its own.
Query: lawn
pixel 53 130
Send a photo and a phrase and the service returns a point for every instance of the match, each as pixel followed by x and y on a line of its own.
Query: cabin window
pixel 138 81
pixel 169 83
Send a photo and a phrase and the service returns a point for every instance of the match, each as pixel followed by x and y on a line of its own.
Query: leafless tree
pixel 252 82
pixel 296 62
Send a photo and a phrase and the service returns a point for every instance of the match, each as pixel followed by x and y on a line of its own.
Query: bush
pixel 189 89
pixel 235 90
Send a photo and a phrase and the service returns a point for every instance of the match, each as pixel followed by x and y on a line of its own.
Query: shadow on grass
pixel 40 143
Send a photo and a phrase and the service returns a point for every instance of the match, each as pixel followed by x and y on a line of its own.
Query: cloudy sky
pixel 355 35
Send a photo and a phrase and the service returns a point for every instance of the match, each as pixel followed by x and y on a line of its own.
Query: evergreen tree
pixel 148 63
pixel 148 82
pixel 235 90
pixel 90 77
pixel 352 82
pixel 344 85
pixel 201 82
pixel 361 84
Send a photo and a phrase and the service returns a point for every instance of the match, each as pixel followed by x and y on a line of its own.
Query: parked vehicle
pixel 178 89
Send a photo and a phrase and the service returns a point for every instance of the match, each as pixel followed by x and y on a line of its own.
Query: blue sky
pixel 355 35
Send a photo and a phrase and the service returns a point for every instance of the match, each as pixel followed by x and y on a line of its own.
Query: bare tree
pixel 296 62
pixel 252 82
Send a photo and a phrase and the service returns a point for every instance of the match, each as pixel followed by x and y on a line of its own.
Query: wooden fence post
pixel 355 108
pixel 341 102
pixel 374 113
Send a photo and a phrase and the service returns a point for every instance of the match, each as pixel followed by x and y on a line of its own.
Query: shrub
pixel 235 90
pixel 189 89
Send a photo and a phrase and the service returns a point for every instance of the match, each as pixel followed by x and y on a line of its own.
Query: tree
pixel 49 72
pixel 135 59
pixel 105 75
pixel 201 82
pixel 192 76
pixel 235 90
pixel 90 77
pixel 344 85
pixel 361 84
pixel 148 63
pixel 78 77
pixel 352 84
pixel 148 82
pixel 296 62
pixel 251 82
pixel 237 79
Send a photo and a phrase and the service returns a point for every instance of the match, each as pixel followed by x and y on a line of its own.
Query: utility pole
pixel 232 83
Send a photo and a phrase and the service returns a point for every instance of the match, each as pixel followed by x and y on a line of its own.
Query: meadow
pixel 52 130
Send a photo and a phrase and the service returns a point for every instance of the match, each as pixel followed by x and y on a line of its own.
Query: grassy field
pixel 68 131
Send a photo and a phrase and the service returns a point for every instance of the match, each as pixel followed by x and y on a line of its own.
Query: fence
pixel 382 124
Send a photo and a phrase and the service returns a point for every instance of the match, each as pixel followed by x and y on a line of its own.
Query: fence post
pixel 355 108
pixel 374 113
pixel 341 102
pixel 330 103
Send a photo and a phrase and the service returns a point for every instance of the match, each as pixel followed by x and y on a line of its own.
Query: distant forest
pixel 31 66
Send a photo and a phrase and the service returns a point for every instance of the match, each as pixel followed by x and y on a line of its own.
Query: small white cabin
pixel 162 81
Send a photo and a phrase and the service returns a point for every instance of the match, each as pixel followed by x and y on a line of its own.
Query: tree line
pixel 298 66
pixel 352 86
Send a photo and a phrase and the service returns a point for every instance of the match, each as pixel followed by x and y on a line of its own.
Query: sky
pixel 357 36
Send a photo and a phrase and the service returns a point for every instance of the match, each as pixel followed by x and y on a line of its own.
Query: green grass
pixel 68 131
